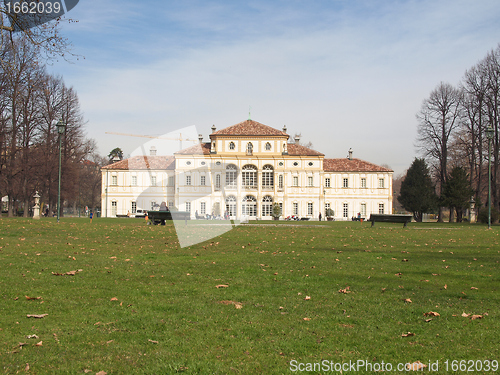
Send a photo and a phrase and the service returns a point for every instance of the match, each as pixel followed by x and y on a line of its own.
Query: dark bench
pixel 382 218
pixel 159 217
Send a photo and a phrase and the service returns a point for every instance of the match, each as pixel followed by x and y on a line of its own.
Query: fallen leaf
pixel 431 313
pixel 345 291
pixel 428 320
pixel 474 317
pixel 37 316
pixel 307 319
pixel 465 315
pixel 32 298
pixel 238 305
pixel 408 300
pixel 415 366
pixel 32 337
pixel 222 286
pixel 39 343
pixel 307 298
pixel 101 373
pixel 114 299
pixel 407 334
pixel 109 342
pixel 473 288
pixel 398 274
pixel 27 368
pixel 153 341
pixel 445 286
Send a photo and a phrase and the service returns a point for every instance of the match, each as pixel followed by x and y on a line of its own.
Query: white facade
pixel 243 171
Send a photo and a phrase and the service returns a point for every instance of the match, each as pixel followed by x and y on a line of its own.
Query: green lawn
pixel 301 292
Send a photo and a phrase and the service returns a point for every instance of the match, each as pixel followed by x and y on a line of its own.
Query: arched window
pixel 249 148
pixel 231 176
pixel 231 205
pixel 268 146
pixel 249 176
pixel 249 206
pixel 232 146
pixel 267 205
pixel 268 177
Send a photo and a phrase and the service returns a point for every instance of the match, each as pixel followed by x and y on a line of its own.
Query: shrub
pixel 483 215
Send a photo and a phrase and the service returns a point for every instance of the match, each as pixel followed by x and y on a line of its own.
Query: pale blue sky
pixel 343 73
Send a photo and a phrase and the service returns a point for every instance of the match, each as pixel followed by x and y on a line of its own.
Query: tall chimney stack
pixel 350 154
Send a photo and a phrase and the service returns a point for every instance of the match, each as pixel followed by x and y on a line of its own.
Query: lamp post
pixel 489 135
pixel 60 131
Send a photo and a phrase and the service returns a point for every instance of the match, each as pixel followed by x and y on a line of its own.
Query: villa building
pixel 242 171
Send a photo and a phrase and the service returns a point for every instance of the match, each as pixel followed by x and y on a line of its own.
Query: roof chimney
pixel 200 138
pixel 284 128
pixel 213 128
pixel 350 154
pixel 152 151
pixel 297 139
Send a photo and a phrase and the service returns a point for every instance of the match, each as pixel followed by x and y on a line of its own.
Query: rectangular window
pixel 295 181
pixel 153 180
pixel 381 183
pixel 217 182
pixel 114 208
pixel 202 180
pixel 363 182
pixel 281 208
pixel 327 182
pixel 188 180
pixel 381 208
pixel 171 204
pixel 114 180
pixel 267 180
pixel 363 210
pixel 153 205
pixel 188 206
pixel 203 208
pixel 327 207
pixel 295 209
pixel 134 207
pixel 345 210
pixel 310 209
pixel 345 182
pixel 310 181
pixel 171 181
pixel 134 180
pixel 280 181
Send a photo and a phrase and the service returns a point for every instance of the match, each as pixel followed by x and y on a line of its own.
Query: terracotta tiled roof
pixel 199 149
pixel 144 162
pixel 250 127
pixel 298 150
pixel 354 165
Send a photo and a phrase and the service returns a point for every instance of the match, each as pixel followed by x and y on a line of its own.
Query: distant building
pixel 243 170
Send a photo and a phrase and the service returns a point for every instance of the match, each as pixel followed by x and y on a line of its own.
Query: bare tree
pixel 438 120
pixel 45 37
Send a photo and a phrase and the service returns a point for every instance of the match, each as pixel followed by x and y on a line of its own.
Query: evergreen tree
pixel 116 152
pixel 457 192
pixel 417 193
